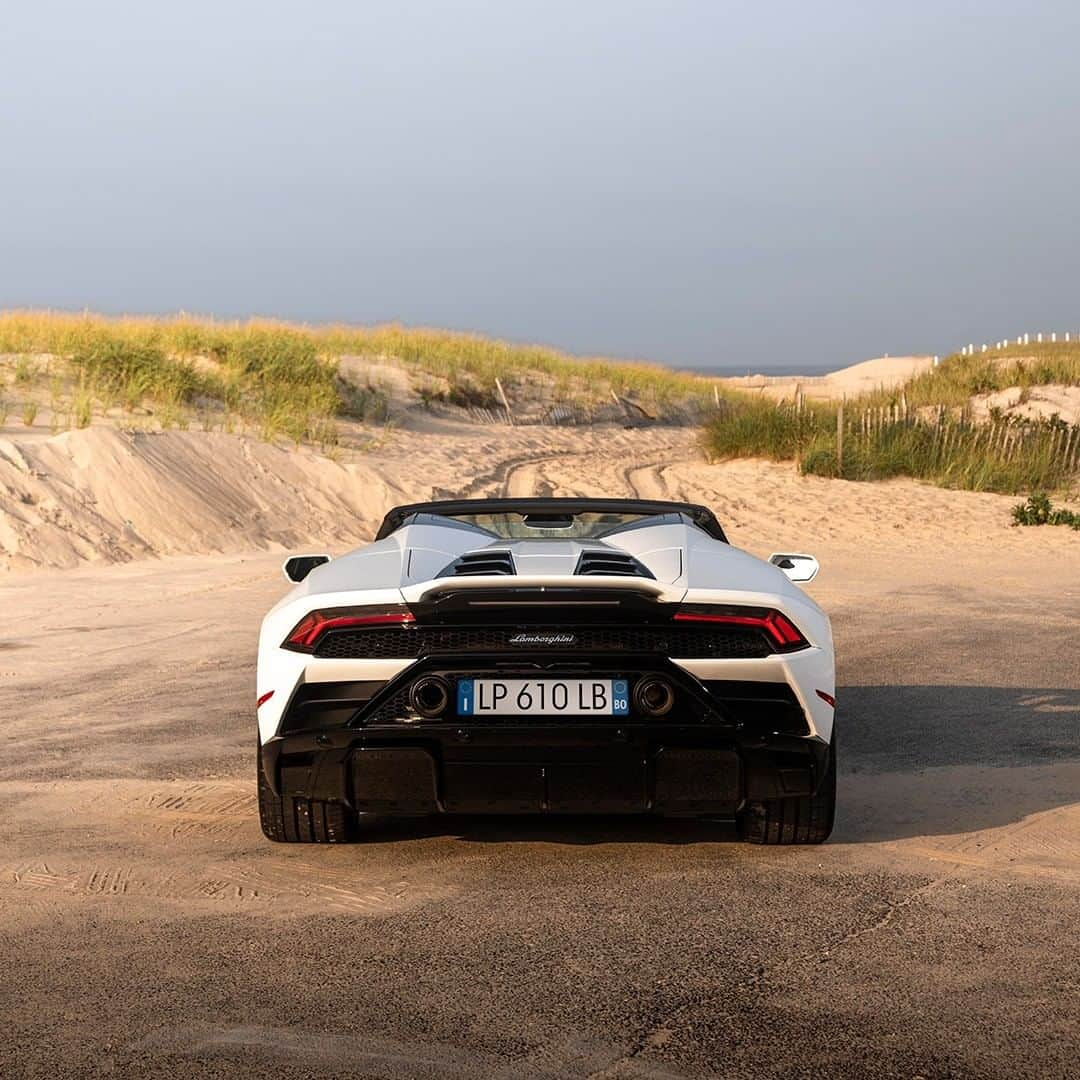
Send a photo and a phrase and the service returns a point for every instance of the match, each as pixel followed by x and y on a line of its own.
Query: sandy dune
pixel 101 495
pixel 885 372
pixel 1033 403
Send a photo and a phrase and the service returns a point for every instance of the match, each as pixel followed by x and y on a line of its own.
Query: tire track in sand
pixel 211 851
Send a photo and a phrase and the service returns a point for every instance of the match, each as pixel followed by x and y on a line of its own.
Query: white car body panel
pixel 689 567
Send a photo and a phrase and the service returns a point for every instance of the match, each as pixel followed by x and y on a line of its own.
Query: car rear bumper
pixel 663 768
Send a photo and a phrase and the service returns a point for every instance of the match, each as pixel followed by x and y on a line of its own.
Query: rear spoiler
pixel 534 590
pixel 701 516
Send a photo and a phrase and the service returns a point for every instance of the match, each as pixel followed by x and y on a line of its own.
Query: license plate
pixel 543 697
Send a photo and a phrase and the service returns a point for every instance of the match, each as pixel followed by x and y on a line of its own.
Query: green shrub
pixel 1038 511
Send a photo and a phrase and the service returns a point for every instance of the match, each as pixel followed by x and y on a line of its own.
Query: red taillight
pixel 827 698
pixel 783 629
pixel 780 629
pixel 311 627
pixel 264 698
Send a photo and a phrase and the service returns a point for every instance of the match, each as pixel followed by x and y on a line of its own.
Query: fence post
pixel 840 438
pixel 505 403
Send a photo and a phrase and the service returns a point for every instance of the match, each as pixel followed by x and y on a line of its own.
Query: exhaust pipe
pixel 429 696
pixel 654 696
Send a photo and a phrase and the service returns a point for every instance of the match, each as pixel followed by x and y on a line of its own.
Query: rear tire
pixel 289 820
pixel 805 819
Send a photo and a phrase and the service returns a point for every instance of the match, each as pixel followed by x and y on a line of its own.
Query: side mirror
pixel 797 567
pixel 297 567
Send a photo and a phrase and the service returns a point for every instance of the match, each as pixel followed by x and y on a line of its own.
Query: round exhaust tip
pixel 429 696
pixel 653 696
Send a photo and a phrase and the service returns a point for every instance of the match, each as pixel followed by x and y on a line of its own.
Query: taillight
pixel 781 631
pixel 307 632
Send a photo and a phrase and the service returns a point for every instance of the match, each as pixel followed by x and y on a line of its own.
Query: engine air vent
pixel 476 563
pixel 610 563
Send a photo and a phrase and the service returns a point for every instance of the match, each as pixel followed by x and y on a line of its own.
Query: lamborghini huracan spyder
pixel 539 656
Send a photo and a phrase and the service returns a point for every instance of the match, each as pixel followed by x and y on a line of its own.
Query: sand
pixel 883 373
pixel 156 933
pixel 100 495
pixel 1031 403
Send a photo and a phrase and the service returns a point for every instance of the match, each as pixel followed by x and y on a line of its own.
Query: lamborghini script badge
pixel 544 639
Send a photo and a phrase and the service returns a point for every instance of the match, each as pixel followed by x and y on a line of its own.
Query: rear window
pixel 552 525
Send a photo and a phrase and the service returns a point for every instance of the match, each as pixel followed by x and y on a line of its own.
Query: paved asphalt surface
pixel 147 928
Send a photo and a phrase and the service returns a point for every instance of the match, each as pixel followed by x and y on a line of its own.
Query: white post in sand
pixel 1053 338
pixel 505 402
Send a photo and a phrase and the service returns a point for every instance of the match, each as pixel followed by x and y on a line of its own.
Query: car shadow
pixel 933 760
pixel 914 761
pixel 583 829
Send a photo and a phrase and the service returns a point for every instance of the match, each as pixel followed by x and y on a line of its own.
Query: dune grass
pixel 272 376
pixel 450 355
pixel 284 379
pixel 921 429
pixel 959 378
pixel 278 352
pixel 1009 458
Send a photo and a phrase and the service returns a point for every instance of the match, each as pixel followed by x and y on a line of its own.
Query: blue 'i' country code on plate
pixel 543 697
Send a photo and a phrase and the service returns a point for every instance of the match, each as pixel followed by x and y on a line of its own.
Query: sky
pixel 742 185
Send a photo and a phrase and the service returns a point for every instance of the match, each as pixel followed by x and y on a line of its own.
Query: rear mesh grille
pixel 610 563
pixel 474 563
pixel 410 643
pixel 393 708
pixel 761 708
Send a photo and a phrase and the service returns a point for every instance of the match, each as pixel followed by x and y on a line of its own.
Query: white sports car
pixel 547 656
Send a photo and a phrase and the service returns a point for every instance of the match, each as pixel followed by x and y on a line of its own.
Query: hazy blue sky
pixel 748 184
